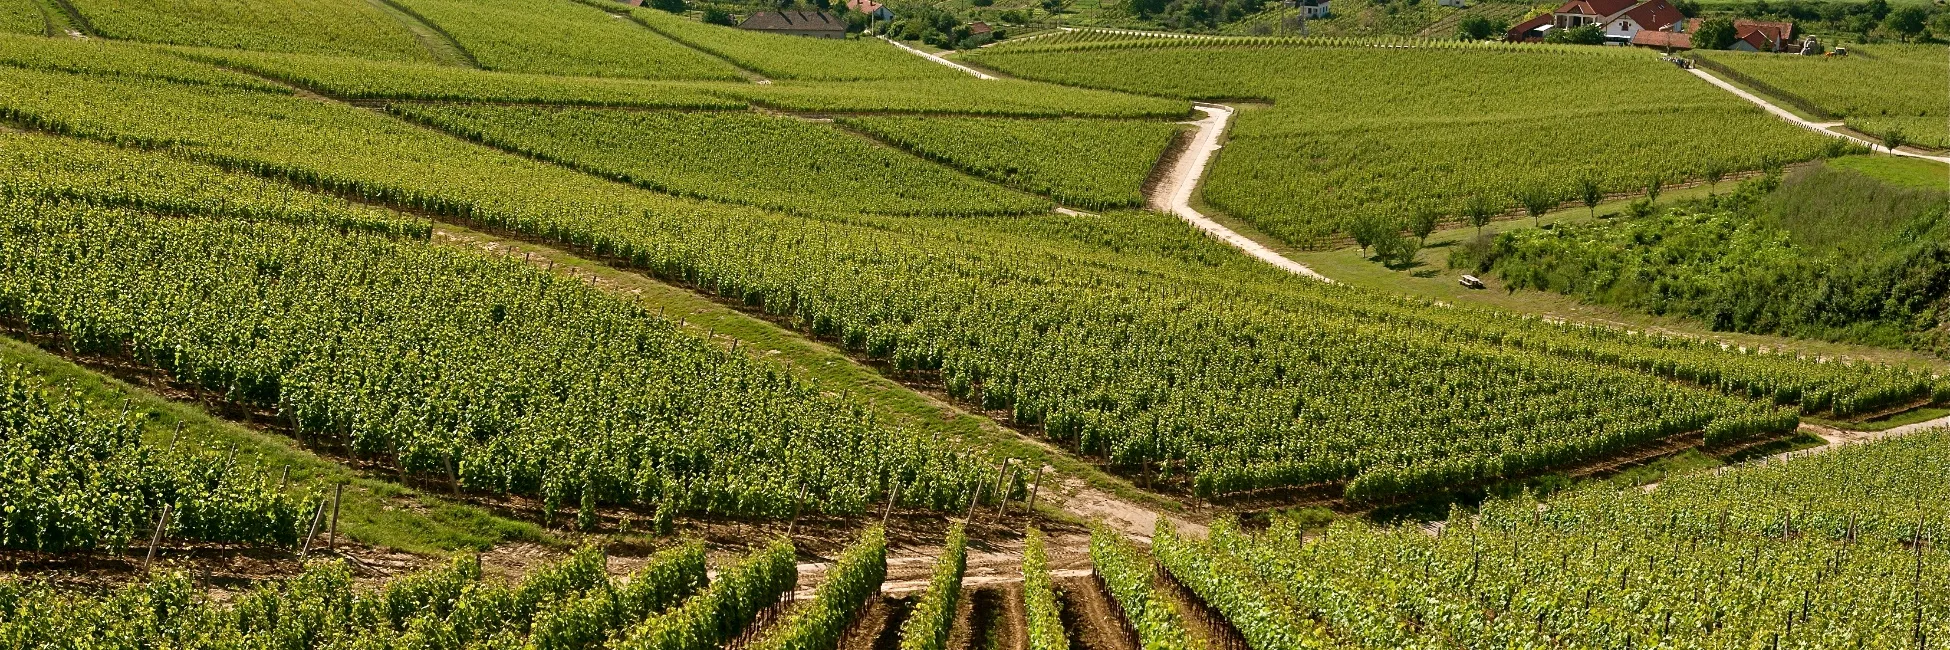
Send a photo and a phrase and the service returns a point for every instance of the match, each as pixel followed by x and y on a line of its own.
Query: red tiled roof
pixel 795 21
pixel 979 27
pixel 1517 31
pixel 1674 40
pixel 1594 7
pixel 1773 31
pixel 1655 14
pixel 863 6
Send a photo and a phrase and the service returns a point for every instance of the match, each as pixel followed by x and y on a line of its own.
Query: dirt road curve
pixel 977 73
pixel 1174 193
pixel 1827 128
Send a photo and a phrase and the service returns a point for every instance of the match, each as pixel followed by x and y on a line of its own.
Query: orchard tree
pixel 1480 210
pixel 1537 200
pixel 1591 193
pixel 1714 34
pixel 1423 223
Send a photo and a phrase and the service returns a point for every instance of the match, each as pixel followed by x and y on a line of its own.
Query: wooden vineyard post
pixel 797 498
pixel 284 478
pixel 891 498
pixel 972 499
pixel 317 513
pixel 1002 508
pixel 452 477
pixel 162 523
pixel 174 435
pixel 332 541
pixel 1034 489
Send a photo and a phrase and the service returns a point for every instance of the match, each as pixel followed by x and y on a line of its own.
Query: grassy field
pixel 1900 171
pixel 348 27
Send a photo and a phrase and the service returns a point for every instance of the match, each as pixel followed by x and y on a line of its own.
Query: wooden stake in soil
pixel 891 498
pixel 797 499
pixel 332 542
pixel 317 514
pixel 284 478
pixel 1034 489
pixel 161 524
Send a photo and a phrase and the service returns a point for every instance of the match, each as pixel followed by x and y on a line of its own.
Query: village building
pixel 1310 9
pixel 874 10
pixel 817 24
pixel 1622 20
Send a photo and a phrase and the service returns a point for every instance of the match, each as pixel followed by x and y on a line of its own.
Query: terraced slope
pixel 346 27
pixel 563 37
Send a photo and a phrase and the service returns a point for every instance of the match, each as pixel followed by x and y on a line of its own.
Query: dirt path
pixel 1837 439
pixel 978 74
pixel 1089 619
pixel 1173 193
pixel 1827 128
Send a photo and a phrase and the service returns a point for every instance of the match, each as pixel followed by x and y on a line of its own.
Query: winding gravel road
pixel 1174 193
pixel 1826 128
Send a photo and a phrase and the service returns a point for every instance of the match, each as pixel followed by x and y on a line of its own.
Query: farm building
pixel 817 24
pixel 1309 8
pixel 1622 20
pixel 1663 40
pixel 979 28
pixel 1758 35
pixel 1459 4
pixel 872 9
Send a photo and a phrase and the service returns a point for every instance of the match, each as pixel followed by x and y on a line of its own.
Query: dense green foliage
pixel 101 57
pixel 1126 337
pixel 1819 552
pixel 361 79
pixel 1086 163
pixel 22 17
pixel 569 605
pixel 504 376
pixel 355 79
pixel 1874 89
pixel 854 577
pixel 1359 131
pixel 1042 614
pixel 44 168
pixel 720 613
pixel 792 57
pixel 930 620
pixel 732 157
pixel 348 27
pixel 1226 584
pixel 1126 573
pixel 1825 253
pixel 79 477
pixel 563 37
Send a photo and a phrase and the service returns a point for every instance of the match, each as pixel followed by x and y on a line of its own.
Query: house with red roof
pixel 872 9
pixel 1620 19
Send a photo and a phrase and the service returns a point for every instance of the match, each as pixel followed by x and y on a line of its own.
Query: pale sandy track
pixel 1826 128
pixel 1173 193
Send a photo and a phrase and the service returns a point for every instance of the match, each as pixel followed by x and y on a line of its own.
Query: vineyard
pixel 614 328
pixel 1090 164
pixel 1360 132
pixel 21 17
pixel 732 157
pixel 1880 88
pixel 484 373
pixel 347 27
pixel 1820 552
pixel 95 485
pixel 1125 339
pixel 562 37
pixel 806 59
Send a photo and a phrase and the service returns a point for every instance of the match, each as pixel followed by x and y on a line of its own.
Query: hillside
pixel 568 324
